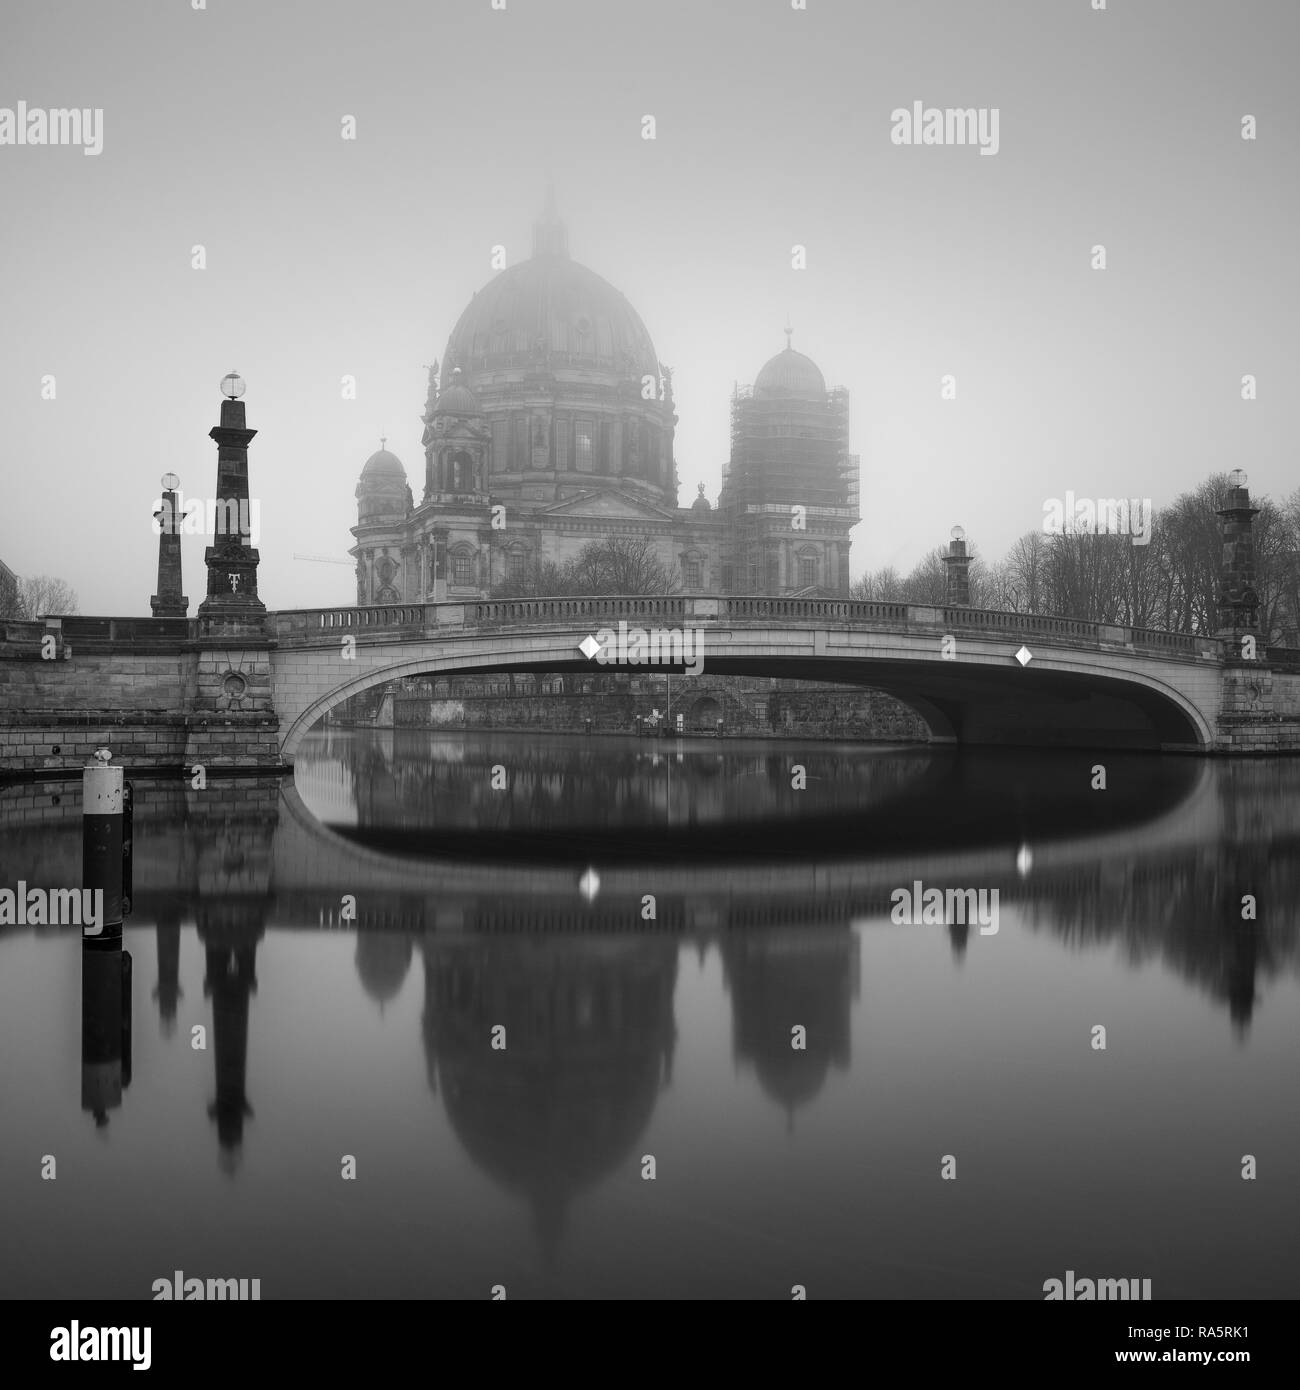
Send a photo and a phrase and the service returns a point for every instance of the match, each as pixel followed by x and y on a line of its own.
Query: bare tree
pixel 542 580
pixel 620 565
pixel 926 583
pixel 878 586
pixel 40 594
pixel 1288 618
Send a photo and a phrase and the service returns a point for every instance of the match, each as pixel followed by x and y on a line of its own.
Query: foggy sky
pixel 326 257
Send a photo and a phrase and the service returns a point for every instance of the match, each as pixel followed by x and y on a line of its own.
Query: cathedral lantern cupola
pixel 550 235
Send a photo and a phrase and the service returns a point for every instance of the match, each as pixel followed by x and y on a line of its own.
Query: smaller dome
pixel 456 398
pixel 381 464
pixel 790 373
pixel 701 503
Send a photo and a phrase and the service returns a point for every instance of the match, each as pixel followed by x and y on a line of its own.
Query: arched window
pixel 462 472
pixel 584 445
pixel 808 568
pixel 462 566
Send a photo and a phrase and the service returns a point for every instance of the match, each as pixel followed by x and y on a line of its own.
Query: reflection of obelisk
pixel 958 935
pixel 782 979
pixel 231 952
pixel 105 1026
pixel 167 934
pixel 1241 946
pixel 589 1038
pixel 1239 974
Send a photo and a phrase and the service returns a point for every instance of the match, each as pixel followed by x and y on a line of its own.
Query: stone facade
pixel 155 704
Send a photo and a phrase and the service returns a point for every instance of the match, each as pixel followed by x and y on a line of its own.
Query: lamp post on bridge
pixel 169 602
pixel 232 602
pixel 957 563
pixel 231 719
pixel 1238 598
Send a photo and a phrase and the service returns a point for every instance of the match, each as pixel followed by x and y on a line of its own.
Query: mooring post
pixel 101 841
pixel 105 966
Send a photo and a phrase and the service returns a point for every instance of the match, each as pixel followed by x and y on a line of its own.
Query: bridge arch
pixel 1095 696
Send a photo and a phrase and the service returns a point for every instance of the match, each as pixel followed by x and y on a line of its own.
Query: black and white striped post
pixel 102 797
pixel 105 966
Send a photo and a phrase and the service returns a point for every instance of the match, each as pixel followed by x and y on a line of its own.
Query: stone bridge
pixel 170 692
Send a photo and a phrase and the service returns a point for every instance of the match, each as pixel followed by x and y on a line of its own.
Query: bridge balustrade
pixel 313 620
pixel 677 609
pixel 556 610
pixel 1170 641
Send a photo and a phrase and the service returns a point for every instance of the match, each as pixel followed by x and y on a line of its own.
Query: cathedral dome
pixel 790 373
pixel 551 306
pixel 701 503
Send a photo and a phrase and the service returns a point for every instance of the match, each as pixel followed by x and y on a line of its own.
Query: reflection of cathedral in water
pixel 783 980
pixel 589 1036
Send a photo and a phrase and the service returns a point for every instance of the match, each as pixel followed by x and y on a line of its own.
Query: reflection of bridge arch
pixel 315 862
pixel 1077 689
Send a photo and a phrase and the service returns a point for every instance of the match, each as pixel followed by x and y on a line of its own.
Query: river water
pixel 618 1017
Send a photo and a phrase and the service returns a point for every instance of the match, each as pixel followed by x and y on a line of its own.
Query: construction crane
pixel 324 559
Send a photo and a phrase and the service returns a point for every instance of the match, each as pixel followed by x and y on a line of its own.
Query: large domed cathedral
pixel 552 404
